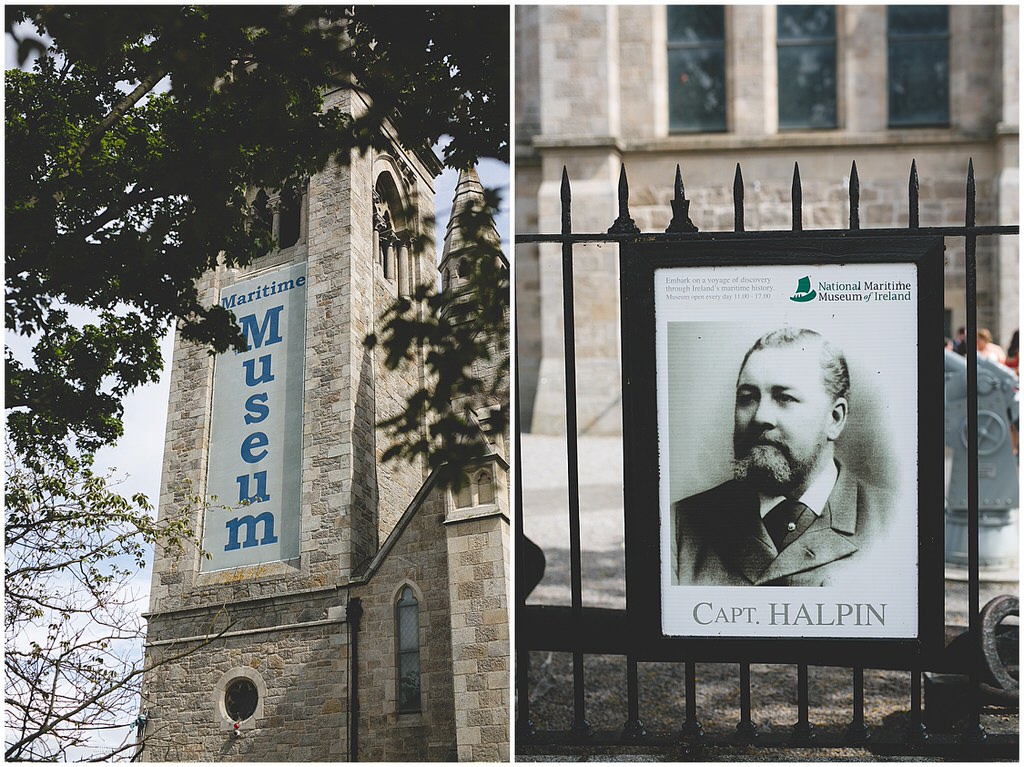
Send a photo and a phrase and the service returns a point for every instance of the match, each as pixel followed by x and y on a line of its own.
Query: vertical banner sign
pixel 256 426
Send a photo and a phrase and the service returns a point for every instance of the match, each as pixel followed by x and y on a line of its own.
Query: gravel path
pixel 661 685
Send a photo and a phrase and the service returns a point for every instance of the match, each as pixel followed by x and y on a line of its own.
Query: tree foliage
pixel 72 546
pixel 464 331
pixel 130 146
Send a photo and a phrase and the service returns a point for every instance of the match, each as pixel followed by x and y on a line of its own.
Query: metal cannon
pixel 998 486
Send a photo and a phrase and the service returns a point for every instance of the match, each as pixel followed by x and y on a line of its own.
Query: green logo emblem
pixel 803 291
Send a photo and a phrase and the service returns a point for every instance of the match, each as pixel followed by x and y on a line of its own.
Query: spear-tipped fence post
pixel 798 200
pixel 974 731
pixel 737 199
pixel 623 224
pixel 680 208
pixel 915 197
pixel 854 198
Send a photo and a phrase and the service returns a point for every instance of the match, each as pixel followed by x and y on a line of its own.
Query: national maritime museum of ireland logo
pixel 804 293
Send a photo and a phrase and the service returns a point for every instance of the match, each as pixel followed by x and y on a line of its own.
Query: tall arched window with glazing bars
pixel 407 620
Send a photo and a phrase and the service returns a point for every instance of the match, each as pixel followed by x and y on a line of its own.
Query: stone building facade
pixel 594 90
pixel 384 636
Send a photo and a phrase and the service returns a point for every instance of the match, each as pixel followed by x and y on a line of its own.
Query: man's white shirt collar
pixel 816 496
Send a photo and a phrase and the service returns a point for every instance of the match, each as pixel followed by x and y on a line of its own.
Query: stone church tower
pixel 340 608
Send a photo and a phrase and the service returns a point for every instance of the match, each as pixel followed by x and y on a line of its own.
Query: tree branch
pixel 119 111
pixel 14 749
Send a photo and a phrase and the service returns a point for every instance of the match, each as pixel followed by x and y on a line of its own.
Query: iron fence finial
pixel 737 199
pixel 915 197
pixel 680 208
pixel 566 197
pixel 623 224
pixel 798 199
pixel 971 193
pixel 854 197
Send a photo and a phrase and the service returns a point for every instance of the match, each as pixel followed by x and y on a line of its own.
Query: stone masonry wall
pixel 478 562
pixel 419 558
pixel 302 674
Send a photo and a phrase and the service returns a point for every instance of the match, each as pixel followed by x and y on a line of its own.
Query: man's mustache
pixel 745 444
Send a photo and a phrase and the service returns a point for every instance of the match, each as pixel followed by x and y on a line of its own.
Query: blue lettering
pixel 250 522
pixel 255 333
pixel 256 412
pixel 261 488
pixel 255 440
pixel 229 302
pixel 250 371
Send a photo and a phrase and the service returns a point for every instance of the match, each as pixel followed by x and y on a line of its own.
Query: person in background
pixel 960 342
pixel 1013 353
pixel 988 349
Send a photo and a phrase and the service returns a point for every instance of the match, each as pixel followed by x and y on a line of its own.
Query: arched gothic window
pixel 392 237
pixel 407 633
pixel 280 213
pixel 290 223
pixel 261 210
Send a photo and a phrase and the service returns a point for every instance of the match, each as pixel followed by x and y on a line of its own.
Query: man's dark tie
pixel 781 520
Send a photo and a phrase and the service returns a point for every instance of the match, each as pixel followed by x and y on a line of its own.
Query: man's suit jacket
pixel 719 539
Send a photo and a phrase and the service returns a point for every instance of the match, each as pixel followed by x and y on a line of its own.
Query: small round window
pixel 240 699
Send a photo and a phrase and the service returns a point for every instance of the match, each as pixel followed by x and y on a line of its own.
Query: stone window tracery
pixel 239 698
pixel 391 232
pixel 477 490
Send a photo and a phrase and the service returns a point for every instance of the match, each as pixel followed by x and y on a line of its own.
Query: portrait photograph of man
pixel 787 428
pixel 790 515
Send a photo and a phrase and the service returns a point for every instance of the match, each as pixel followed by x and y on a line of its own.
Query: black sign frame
pixel 639 262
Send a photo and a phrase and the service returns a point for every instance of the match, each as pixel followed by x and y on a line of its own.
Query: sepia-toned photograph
pixel 788 448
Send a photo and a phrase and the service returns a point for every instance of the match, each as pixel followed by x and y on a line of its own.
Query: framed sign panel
pixel 784 432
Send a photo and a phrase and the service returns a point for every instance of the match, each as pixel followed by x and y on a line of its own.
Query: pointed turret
pixel 470 236
pixel 459 243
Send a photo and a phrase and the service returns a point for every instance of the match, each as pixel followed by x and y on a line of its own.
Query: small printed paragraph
pixel 720 289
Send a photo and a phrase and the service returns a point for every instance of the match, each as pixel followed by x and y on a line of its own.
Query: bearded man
pixel 791 515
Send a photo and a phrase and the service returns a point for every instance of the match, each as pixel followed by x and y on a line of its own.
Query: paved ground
pixel 545 513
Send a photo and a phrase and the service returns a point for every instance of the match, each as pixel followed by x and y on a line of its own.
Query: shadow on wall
pixel 365 493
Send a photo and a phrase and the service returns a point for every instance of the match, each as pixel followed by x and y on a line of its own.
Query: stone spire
pixel 469 195
pixel 460 249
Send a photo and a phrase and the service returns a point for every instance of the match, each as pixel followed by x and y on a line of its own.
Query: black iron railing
pixel 581 631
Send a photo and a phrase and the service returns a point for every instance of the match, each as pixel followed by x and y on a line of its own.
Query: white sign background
pixel 707 317
pixel 280 414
